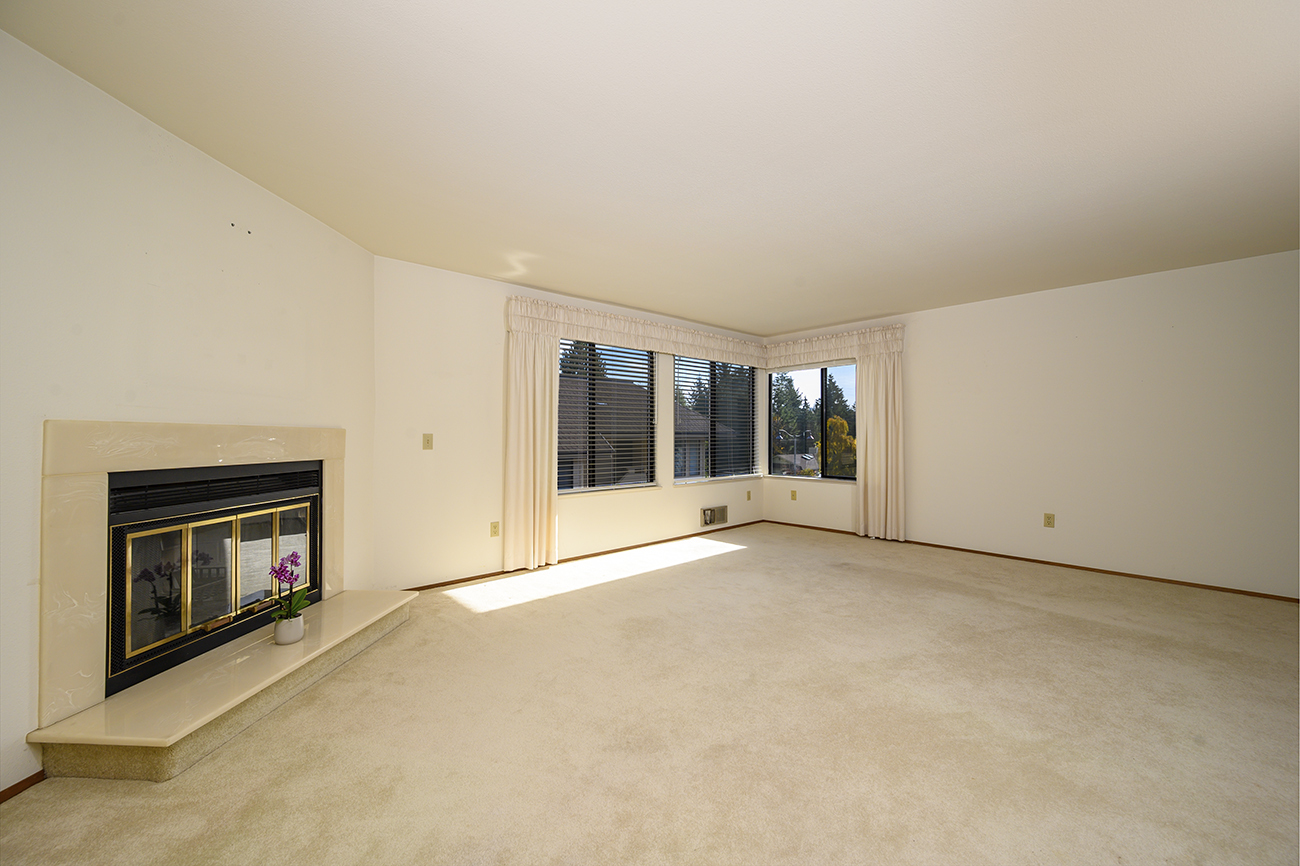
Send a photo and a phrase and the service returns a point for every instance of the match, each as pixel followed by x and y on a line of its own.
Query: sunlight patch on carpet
pixel 583 573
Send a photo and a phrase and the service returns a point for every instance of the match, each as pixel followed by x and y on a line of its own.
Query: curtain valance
pixel 848 346
pixel 535 316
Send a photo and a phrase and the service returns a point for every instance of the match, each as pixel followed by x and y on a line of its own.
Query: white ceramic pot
pixel 288 630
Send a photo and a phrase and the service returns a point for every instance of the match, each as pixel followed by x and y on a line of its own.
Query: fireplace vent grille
pixel 168 495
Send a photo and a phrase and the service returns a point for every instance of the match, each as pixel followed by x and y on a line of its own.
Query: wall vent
pixel 713 516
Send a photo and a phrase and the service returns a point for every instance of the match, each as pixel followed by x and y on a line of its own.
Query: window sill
pixel 622 488
pixel 683 482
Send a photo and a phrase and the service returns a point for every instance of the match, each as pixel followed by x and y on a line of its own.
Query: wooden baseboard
pixel 455 581
pixel 806 526
pixel 661 541
pixel 1062 565
pixel 920 543
pixel 18 787
pixel 1108 571
pixel 590 555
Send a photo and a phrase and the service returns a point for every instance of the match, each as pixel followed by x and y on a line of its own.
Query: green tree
pixel 838 405
pixel 582 359
pixel 789 412
pixel 841 448
pixel 700 397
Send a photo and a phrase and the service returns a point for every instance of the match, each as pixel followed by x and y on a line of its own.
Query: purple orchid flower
pixel 291 602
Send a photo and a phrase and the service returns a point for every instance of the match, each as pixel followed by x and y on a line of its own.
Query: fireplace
pixel 190 556
pixel 79 459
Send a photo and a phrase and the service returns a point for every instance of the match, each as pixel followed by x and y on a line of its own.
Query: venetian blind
pixel 713 419
pixel 605 435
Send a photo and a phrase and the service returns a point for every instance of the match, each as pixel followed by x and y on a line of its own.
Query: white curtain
pixel 530 536
pixel 880 434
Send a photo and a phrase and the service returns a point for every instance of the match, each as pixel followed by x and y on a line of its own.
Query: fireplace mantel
pixel 76 461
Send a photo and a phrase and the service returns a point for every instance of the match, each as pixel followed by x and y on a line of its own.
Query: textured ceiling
pixel 757 165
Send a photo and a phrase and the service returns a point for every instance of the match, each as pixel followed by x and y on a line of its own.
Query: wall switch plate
pixel 1049 520
pixel 428 441
pixel 748 493
pixel 494 529
pixel 794 494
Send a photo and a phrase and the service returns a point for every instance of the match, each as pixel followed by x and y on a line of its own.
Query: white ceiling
pixel 758 165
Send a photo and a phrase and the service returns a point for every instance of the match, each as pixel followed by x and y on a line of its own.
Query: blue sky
pixel 809 383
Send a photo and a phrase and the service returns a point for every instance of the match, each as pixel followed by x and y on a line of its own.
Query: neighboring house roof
pixel 621 412
pixel 688 422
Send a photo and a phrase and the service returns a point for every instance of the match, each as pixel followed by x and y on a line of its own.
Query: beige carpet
pixel 791 697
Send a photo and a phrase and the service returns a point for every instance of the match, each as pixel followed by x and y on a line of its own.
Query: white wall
pixel 1156 416
pixel 128 295
pixel 827 503
pixel 440 369
pixel 609 520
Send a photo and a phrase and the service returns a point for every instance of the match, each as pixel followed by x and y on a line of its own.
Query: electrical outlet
pixel 1049 520
pixel 428 441
pixel 494 529
pixel 747 495
pixel 794 494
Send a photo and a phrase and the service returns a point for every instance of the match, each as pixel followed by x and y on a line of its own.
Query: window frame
pixel 822 422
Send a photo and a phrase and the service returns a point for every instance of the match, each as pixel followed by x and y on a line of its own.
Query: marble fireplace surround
pixel 77 457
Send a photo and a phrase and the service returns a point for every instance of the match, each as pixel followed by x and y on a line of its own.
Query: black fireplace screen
pixel 191 553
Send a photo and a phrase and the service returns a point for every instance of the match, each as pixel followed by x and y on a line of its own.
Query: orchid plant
pixel 291 601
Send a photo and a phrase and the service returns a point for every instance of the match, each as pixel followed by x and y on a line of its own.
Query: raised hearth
pixel 160 727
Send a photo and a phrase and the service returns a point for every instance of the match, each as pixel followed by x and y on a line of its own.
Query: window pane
pixel 733 420
pixel 713 419
pixel 691 428
pixel 606 416
pixel 796 423
pixel 841 422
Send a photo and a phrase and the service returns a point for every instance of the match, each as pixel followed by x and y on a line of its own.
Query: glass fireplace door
pixel 212 570
pixel 256 557
pixel 155 591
